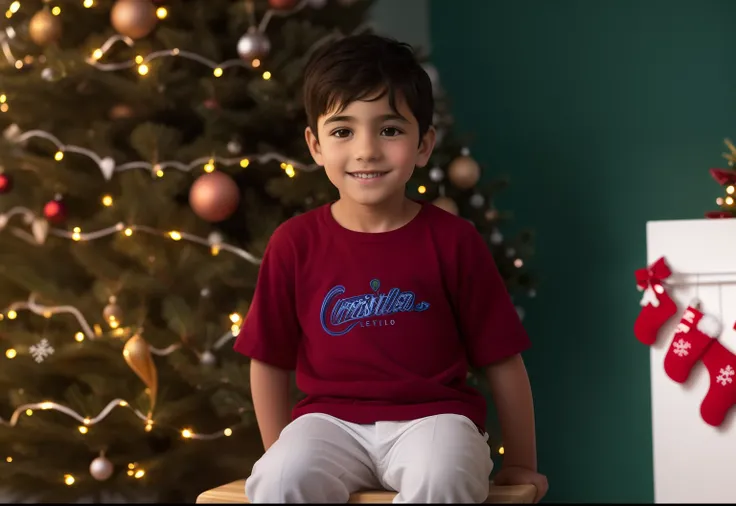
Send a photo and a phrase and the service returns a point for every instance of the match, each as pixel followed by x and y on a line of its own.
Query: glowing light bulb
pixel 244 162
pixel 267 75
pixel 123 403
pixel 149 425
pixel 14 7
pixel 139 59
pixel 143 69
pixel 9 459
pixel 79 337
pixel 56 11
pixel 11 353
pixel 217 72
pixel 83 429
pixel 88 3
pixel 18 64
pixel 12 315
pixel 46 405
pixel 214 250
pixel 76 234
pixel 161 13
pixel 290 171
pixel 235 329
pixel 131 466
pixel 160 173
pixel 97 54
pixel 209 166
pixel 175 235
pixel 139 473
pixel 86 421
pixel 4 107
pixel 422 189
pixel 107 201
pixel 186 433
pixel 256 63
pixel 228 432
pixel 500 450
pixel 3 98
pixel 719 201
pixel 69 479
pixel 235 317
pixel 29 412
pixel 729 189
pixel 59 156
pixel 128 231
pixel 729 201
pixel 518 263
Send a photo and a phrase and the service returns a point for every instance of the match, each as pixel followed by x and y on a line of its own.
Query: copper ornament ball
pixel 447 204
pixel 214 196
pixel 282 4
pixel 44 28
pixel 464 172
pixel 134 18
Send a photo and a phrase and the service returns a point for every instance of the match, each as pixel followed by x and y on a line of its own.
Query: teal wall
pixel 606 114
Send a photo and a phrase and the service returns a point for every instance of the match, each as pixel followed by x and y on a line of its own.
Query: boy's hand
pixel 517 475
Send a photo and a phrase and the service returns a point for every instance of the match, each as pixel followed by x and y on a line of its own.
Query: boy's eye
pixel 341 132
pixel 391 132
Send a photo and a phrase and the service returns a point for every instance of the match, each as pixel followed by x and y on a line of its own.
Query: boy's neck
pixel 388 216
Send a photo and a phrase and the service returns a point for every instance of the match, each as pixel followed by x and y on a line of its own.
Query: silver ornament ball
pixel 436 174
pixel 253 45
pixel 477 200
pixel 233 147
pixel 101 469
pixel 207 358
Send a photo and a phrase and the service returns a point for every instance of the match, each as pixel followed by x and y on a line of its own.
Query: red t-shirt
pixel 381 326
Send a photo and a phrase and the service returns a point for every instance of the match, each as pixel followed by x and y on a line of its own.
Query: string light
pixel 69 479
pixel 422 189
pixel 8 459
pixel 108 166
pixel 267 75
pixel 501 450
pixel 730 189
pixel 78 235
pixel 161 13
pixel 186 433
pixel 11 353
pixel 79 337
pixel 56 10
pixel 107 201
pixel 88 3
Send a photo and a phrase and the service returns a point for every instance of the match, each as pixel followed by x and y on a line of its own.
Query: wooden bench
pixel 235 493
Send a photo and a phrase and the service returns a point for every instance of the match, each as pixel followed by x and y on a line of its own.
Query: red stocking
pixel 721 395
pixel 657 306
pixel 694 334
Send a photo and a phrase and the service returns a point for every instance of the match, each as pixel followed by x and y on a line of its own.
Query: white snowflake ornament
pixel 41 351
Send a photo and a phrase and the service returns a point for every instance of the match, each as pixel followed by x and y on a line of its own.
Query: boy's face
pixel 368 151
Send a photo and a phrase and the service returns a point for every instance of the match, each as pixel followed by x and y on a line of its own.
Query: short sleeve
pixel 270 332
pixel 490 326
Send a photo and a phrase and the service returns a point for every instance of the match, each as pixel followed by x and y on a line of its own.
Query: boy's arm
pixel 512 396
pixel 270 393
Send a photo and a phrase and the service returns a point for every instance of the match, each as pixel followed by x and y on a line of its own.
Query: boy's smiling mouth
pixel 366 175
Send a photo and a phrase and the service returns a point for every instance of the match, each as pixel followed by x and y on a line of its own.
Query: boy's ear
pixel 426 146
pixel 313 144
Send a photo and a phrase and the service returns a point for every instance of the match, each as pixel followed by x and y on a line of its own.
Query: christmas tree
pixel 727 179
pixel 149 150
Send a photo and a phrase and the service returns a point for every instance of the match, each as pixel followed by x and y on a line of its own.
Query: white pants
pixel 321 459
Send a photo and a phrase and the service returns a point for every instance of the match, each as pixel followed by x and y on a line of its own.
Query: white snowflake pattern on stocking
pixel 726 375
pixel 41 350
pixel 680 348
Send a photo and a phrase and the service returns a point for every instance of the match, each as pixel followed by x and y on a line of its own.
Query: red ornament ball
pixel 282 4
pixel 54 211
pixel 6 183
pixel 214 196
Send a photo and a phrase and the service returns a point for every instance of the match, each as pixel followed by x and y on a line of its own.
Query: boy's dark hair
pixel 356 68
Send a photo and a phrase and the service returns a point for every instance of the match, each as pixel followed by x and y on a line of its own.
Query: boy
pixel 380 303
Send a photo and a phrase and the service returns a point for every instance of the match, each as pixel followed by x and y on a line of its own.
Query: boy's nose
pixel 367 149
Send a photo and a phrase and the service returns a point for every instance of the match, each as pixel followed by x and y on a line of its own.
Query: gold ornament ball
pixel 447 204
pixel 44 28
pixel 214 196
pixel 133 18
pixel 464 172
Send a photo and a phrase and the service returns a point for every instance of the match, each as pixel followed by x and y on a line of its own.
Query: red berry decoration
pixel 6 183
pixel 55 211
